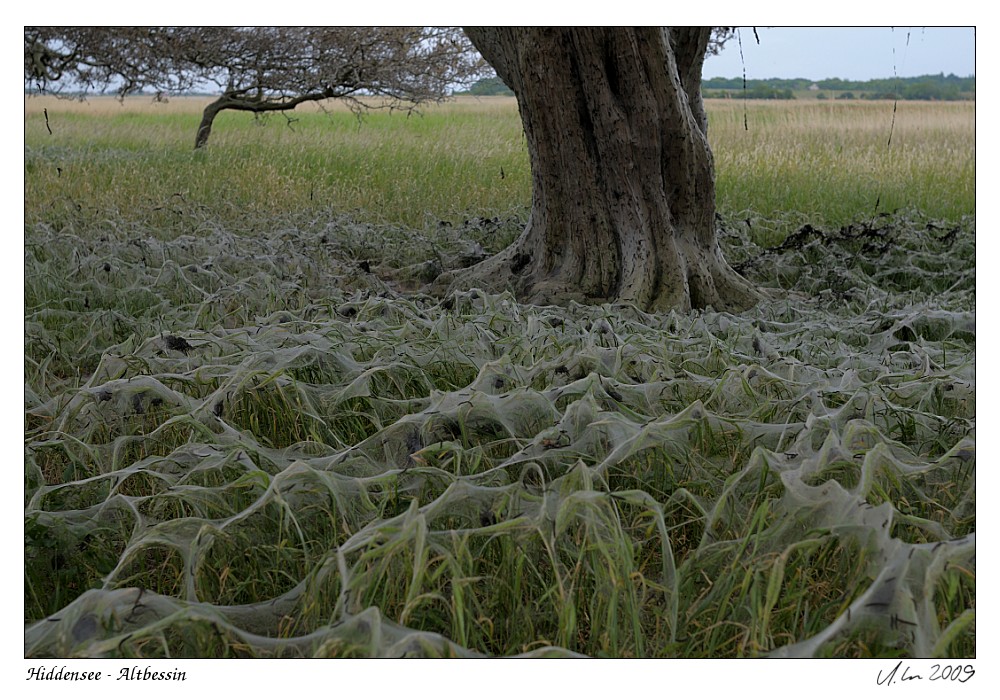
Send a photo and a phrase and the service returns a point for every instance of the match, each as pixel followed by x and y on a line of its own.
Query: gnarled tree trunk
pixel 623 189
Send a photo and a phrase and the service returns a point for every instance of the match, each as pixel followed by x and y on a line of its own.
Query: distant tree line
pixel 924 87
pixel 759 90
pixel 490 86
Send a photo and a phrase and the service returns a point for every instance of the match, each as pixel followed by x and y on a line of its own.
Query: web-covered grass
pixel 270 444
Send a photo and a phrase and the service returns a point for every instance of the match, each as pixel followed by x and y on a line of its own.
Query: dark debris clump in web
pixel 260 445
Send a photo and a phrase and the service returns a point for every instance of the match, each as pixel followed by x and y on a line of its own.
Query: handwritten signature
pixel 939 672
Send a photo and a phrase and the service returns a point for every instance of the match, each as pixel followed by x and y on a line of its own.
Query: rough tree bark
pixel 623 184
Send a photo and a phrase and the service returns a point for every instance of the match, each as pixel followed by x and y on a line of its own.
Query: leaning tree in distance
pixel 623 183
pixel 254 69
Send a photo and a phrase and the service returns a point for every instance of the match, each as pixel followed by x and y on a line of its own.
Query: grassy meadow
pixel 798 162
pixel 250 433
pixel 830 164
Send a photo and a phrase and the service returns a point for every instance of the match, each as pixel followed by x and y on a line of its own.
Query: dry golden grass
pixel 830 162
pixel 104 105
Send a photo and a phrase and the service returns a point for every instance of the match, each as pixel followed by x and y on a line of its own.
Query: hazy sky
pixel 852 53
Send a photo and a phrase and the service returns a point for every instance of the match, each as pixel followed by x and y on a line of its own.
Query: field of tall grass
pixel 836 163
pixel 249 433
pixel 797 162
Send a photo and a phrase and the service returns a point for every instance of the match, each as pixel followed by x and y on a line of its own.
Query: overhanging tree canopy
pixel 256 69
